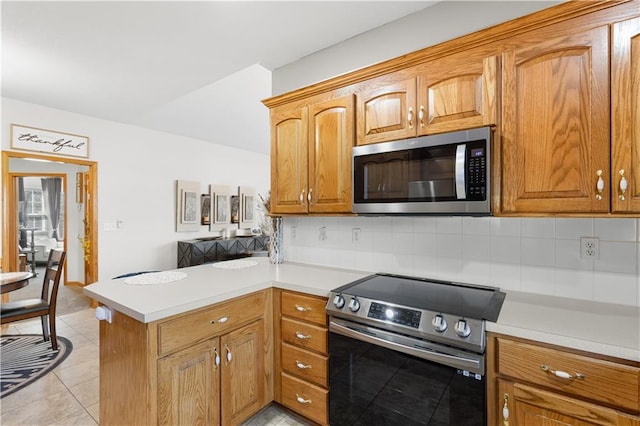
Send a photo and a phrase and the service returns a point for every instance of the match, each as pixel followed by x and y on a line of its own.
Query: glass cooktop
pixel 466 300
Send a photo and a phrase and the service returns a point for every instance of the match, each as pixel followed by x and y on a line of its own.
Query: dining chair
pixel 45 307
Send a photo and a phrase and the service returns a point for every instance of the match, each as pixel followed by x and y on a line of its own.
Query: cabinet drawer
pixel 304 364
pixel 612 384
pixel 307 308
pixel 304 335
pixel 306 399
pixel 209 322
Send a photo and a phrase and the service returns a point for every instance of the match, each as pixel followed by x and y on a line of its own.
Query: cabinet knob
pixel 309 196
pixel 302 196
pixel 505 411
pixel 410 118
pixel 229 356
pixel 623 185
pixel 302 308
pixel 421 116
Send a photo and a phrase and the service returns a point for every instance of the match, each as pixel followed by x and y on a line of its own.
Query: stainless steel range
pixel 421 341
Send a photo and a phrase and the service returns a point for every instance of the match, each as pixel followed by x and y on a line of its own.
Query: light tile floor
pixel 69 395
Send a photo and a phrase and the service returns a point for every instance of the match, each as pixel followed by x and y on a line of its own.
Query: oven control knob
pixel 354 305
pixel 439 323
pixel 462 328
pixel 338 301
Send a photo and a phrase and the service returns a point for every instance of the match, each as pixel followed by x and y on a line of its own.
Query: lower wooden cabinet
pixel 174 372
pixel 538 384
pixel 302 359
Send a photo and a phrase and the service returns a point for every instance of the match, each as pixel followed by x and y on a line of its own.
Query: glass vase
pixel 276 252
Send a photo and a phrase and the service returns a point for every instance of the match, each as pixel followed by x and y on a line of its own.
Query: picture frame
pixel 188 215
pixel 26 138
pixel 247 208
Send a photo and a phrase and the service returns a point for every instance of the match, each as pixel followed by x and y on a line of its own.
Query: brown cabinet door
pixel 457 92
pixel 242 373
pixel 331 138
pixel 188 386
pixel 625 126
pixel 386 109
pixel 289 156
pixel 555 128
pixel 530 406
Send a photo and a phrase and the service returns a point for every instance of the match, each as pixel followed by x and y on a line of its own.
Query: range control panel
pixel 408 317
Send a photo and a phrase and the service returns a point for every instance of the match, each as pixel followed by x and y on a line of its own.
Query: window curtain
pixel 52 189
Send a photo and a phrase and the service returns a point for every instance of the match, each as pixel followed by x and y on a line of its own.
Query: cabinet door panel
pixel 529 406
pixel 625 129
pixel 331 137
pixel 555 123
pixel 289 146
pixel 383 109
pixel 242 376
pixel 188 392
pixel 458 92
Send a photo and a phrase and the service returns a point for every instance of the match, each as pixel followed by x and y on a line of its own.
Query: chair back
pixel 52 276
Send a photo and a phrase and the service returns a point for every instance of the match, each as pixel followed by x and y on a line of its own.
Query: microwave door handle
pixel 461 155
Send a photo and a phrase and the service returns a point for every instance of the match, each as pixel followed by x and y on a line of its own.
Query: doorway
pixel 85 193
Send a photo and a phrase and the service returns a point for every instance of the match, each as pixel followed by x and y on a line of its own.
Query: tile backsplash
pixel 536 255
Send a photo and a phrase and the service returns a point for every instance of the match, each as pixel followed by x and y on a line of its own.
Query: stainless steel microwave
pixel 444 174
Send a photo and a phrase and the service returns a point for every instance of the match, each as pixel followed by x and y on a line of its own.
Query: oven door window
pixel 373 385
pixel 424 174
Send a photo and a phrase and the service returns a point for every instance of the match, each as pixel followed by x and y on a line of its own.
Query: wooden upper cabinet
pixel 625 126
pixel 555 121
pixel 386 109
pixel 289 144
pixel 331 137
pixel 452 93
pixel 311 157
pixel 458 92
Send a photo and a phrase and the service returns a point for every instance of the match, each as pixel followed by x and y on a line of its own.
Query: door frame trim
pixel 10 239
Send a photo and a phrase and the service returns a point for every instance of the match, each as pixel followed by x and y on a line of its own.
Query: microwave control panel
pixel 476 173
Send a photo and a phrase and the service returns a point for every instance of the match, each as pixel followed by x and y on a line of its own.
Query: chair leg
pixel 54 337
pixel 45 327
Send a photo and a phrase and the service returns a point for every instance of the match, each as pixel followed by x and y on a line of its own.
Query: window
pixel 35 214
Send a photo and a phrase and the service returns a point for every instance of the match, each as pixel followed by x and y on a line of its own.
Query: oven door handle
pixel 473 365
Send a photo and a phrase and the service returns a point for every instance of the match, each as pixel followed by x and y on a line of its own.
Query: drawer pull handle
pixel 302 336
pixel 301 400
pixel 302 308
pixel 223 320
pixel 561 374
pixel 301 365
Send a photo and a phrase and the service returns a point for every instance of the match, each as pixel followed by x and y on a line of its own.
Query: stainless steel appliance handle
pixel 461 187
pixel 470 364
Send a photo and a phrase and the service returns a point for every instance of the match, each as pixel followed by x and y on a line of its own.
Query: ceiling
pixel 196 69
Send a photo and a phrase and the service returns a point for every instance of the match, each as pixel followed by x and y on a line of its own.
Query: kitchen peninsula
pixel 157 327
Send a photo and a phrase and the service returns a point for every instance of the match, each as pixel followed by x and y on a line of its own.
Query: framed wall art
pixel 188 207
pixel 48 141
pixel 246 208
pixel 221 207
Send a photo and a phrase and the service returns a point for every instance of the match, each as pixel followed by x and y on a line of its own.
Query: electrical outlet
pixel 322 234
pixel 589 248
pixel 294 233
pixel 355 235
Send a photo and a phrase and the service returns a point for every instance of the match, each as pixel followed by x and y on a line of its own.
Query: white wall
pixel 444 21
pixel 534 255
pixel 137 170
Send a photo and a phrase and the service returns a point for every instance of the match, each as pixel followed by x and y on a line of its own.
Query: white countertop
pixel 606 329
